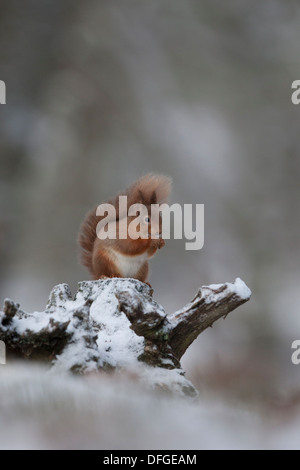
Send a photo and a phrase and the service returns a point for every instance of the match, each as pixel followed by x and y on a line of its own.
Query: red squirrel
pixel 126 257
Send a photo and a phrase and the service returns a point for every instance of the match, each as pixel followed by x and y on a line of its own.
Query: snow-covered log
pixel 115 324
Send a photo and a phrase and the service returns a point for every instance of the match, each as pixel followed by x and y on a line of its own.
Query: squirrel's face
pixel 145 225
pixel 152 224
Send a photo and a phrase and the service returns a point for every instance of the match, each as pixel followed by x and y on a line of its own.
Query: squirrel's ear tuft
pixel 141 197
pixel 148 187
pixel 153 198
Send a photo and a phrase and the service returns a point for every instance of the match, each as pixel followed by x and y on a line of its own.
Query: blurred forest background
pixel 101 92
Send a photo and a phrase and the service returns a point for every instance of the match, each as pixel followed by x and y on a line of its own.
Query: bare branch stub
pixel 210 304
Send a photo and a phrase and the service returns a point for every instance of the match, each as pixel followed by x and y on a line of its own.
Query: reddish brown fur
pixel 97 255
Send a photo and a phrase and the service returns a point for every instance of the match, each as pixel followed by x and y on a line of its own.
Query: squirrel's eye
pixel 147 220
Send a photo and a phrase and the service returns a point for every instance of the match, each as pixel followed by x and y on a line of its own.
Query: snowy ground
pixel 42 410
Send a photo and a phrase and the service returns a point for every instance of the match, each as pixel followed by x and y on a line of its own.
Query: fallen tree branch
pixel 116 324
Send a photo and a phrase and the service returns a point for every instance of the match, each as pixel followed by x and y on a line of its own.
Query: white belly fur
pixel 129 265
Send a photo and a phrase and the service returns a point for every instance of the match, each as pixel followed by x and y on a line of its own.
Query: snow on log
pixel 115 324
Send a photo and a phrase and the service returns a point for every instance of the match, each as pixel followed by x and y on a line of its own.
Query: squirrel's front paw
pixel 161 243
pixel 158 243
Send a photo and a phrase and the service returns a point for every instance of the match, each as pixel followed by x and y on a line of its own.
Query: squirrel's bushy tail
pixel 142 190
pixel 86 238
